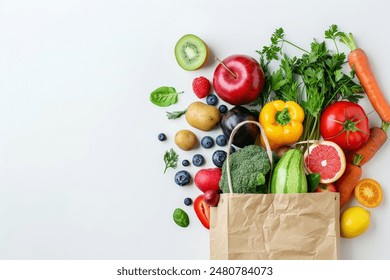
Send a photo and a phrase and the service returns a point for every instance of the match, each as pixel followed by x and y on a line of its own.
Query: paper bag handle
pixel 265 139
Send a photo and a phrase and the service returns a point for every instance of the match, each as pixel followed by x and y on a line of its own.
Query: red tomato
pixel 202 210
pixel 346 124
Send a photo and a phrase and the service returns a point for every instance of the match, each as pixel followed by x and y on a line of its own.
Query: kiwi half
pixel 191 52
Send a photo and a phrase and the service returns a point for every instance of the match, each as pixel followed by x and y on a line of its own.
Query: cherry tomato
pixel 202 210
pixel 346 124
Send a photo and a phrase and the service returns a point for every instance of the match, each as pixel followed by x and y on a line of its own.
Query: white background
pixel 80 164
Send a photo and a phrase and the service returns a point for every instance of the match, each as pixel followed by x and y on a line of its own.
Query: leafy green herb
pixel 272 51
pixel 175 114
pixel 284 83
pixel 170 159
pixel 181 217
pixel 164 96
pixel 333 33
pixel 314 80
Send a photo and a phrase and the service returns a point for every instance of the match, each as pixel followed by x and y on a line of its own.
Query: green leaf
pixel 277 36
pixel 332 33
pixel 181 217
pixel 335 62
pixel 338 75
pixel 314 80
pixel 277 80
pixel 314 101
pixel 175 114
pixel 170 159
pixel 164 96
pixel 272 51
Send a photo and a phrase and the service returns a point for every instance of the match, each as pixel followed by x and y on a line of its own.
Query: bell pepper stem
pixel 283 117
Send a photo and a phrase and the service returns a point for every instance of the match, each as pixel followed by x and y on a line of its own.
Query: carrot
pixel 378 136
pixel 347 182
pixel 358 61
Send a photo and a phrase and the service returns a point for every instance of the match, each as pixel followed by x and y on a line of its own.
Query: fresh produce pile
pixel 308 105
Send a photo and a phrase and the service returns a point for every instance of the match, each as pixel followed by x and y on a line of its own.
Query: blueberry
pixel 212 99
pixel 162 137
pixel 185 162
pixel 207 142
pixel 219 158
pixel 198 160
pixel 221 140
pixel 223 109
pixel 182 178
pixel 188 201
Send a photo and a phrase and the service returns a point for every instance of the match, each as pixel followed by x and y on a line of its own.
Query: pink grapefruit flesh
pixel 327 159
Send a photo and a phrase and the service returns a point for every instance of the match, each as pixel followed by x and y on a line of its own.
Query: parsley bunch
pixel 314 80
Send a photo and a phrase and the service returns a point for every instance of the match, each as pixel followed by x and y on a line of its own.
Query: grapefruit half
pixel 327 159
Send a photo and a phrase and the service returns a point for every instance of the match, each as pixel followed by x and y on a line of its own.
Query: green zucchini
pixel 289 174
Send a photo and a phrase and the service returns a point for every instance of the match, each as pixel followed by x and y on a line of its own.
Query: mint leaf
pixel 164 96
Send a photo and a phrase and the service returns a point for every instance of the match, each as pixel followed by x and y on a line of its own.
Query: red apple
pixel 238 79
pixel 326 188
pixel 208 179
pixel 211 197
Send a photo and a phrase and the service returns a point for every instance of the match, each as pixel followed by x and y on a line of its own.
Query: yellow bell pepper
pixel 282 122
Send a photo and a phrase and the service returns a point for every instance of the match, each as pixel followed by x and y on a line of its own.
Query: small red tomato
pixel 202 211
pixel 326 188
pixel 346 124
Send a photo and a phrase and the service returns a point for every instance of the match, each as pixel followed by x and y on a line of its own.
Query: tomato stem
pixel 350 125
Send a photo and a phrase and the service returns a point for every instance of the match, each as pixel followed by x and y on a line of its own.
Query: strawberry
pixel 201 86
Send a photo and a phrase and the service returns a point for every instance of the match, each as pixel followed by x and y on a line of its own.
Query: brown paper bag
pixel 274 226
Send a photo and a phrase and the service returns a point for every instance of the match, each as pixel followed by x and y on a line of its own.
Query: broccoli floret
pixel 249 167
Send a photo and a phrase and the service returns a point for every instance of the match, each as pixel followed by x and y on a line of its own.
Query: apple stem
pixel 227 68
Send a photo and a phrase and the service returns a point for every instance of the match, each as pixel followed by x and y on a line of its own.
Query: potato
pixel 202 116
pixel 186 140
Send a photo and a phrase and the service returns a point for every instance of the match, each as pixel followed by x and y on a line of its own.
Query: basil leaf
pixel 164 96
pixel 181 218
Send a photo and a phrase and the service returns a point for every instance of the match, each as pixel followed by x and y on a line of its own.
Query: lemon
pixel 354 221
